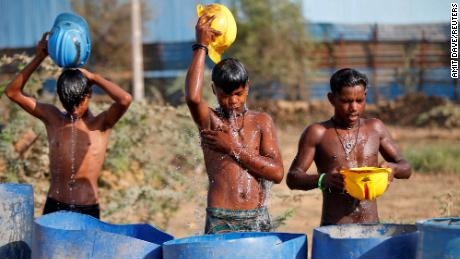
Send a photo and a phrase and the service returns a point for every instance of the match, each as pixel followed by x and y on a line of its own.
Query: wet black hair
pixel 229 74
pixel 72 88
pixel 347 77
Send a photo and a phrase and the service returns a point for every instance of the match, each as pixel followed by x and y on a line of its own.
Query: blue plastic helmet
pixel 69 44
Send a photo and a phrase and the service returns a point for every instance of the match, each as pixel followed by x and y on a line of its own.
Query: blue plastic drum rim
pixel 72 221
pixel 248 245
pixel 69 43
pixel 234 237
pixel 364 231
pixel 440 223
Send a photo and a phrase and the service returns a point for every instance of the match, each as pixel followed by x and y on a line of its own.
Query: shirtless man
pixel 240 147
pixel 77 138
pixel 345 141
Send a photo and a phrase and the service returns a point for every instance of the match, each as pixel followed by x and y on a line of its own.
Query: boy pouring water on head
pixel 239 145
pixel 77 139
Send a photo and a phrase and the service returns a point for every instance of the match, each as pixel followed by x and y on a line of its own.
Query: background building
pixel 398 58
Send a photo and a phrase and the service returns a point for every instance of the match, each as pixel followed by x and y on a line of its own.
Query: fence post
pixel 421 64
pixel 373 57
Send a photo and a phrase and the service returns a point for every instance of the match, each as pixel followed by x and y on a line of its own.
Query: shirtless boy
pixel 240 147
pixel 345 141
pixel 77 139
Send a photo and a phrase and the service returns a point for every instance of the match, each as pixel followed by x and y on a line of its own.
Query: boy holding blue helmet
pixel 77 138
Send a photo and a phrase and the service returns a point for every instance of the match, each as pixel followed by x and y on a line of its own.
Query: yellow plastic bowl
pixel 223 22
pixel 366 183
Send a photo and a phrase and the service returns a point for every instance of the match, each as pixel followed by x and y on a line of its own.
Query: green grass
pixel 280 220
pixel 434 156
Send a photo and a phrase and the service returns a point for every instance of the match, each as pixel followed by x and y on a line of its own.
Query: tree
pixel 110 31
pixel 273 44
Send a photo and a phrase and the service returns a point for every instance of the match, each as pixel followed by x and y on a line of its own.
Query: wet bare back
pixel 76 152
pixel 76 149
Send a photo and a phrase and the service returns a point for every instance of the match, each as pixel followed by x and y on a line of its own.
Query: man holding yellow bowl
pixel 345 150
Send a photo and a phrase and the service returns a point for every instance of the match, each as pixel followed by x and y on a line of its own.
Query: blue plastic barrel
pixel 267 245
pixel 439 238
pixel 73 235
pixel 16 218
pixel 365 241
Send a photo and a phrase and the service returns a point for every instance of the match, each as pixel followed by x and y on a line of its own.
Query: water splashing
pixel 244 179
pixel 266 187
pixel 365 162
pixel 72 157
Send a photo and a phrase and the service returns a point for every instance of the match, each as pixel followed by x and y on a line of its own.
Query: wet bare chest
pixel 245 130
pixel 355 150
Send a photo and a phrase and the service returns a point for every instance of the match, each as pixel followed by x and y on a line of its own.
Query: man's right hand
pixel 41 50
pixel 334 180
pixel 221 140
pixel 204 33
pixel 88 74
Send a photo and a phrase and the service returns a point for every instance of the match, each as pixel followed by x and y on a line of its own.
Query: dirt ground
pixel 406 201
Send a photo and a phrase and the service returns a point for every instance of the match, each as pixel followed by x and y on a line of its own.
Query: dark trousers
pixel 53 205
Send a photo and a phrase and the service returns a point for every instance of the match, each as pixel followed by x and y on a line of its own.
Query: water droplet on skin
pixel 248 182
pixel 73 139
pixel 365 160
pixel 266 187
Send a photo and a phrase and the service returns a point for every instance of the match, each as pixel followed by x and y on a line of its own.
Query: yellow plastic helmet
pixel 224 23
pixel 366 183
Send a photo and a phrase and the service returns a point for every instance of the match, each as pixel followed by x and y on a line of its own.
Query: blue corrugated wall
pixel 173 20
pixel 22 22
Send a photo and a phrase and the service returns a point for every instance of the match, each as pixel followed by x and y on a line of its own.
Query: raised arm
pixel 194 80
pixel 265 163
pixel 121 97
pixel 15 88
pixel 390 152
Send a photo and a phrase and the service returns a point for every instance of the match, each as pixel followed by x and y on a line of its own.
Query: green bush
pixel 153 152
pixel 160 145
pixel 446 116
pixel 433 157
